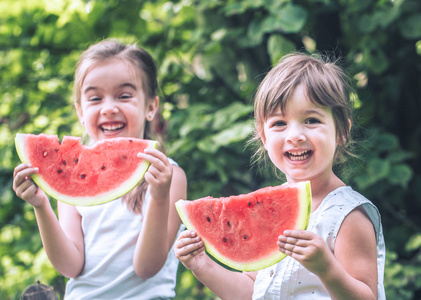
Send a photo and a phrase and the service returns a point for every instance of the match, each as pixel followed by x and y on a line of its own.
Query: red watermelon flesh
pixel 81 175
pixel 242 231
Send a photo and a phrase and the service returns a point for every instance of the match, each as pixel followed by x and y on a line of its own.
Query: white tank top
pixel 290 280
pixel 110 235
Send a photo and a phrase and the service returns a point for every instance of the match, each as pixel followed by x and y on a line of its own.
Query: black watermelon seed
pixel 124 157
pixel 82 176
pixel 59 171
pixel 224 240
pixel 76 160
pixel 56 150
pixel 103 167
pixel 130 141
pixel 64 162
pixel 228 223
pixel 249 204
pixel 207 218
pixel 245 237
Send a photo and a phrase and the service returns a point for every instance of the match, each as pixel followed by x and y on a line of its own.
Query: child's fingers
pixel 26 190
pixel 155 157
pixel 21 167
pixel 190 247
pixel 187 234
pixel 298 234
pixel 22 176
pixel 187 241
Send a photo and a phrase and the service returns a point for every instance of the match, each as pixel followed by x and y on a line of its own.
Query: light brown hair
pixel 325 84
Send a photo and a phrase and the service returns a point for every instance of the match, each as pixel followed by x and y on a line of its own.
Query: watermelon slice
pixel 79 175
pixel 241 231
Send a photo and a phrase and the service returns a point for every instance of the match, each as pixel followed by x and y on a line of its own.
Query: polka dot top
pixel 290 280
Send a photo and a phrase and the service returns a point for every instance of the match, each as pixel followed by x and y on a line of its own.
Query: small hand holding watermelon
pixel 307 248
pixel 25 188
pixel 159 174
pixel 190 250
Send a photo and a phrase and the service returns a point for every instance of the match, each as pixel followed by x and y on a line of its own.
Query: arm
pixel 65 251
pixel 161 222
pixel 226 284
pixel 349 273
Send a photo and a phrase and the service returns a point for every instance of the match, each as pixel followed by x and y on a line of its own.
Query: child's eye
pixel 125 96
pixel 312 121
pixel 279 123
pixel 94 98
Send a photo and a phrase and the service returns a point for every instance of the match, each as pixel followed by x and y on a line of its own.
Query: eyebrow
pixel 126 84
pixel 317 112
pixel 307 112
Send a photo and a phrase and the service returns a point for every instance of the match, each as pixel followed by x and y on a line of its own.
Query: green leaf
pixel 367 23
pixel 364 181
pixel 414 242
pixel 278 46
pixel 378 168
pixel 290 18
pixel 236 8
pixel 400 174
pixel 385 142
pixel 236 133
pixel 410 27
pixel 255 32
pixel 399 156
pixel 376 60
pixel 229 114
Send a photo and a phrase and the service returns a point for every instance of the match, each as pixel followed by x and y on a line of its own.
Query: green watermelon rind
pixel 302 224
pixel 124 188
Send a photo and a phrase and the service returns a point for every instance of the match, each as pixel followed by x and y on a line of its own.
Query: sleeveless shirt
pixel 288 279
pixel 110 234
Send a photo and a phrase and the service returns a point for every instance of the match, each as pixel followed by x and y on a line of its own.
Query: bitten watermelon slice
pixel 241 231
pixel 79 175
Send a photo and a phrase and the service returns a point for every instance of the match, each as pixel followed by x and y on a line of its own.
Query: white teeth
pixel 112 127
pixel 299 155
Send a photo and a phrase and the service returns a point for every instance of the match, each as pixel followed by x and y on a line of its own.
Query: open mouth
pixel 112 127
pixel 298 155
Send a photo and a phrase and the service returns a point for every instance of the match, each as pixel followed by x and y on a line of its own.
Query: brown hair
pixel 325 84
pixel 145 65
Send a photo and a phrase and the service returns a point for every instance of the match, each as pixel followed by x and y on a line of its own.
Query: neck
pixel 322 186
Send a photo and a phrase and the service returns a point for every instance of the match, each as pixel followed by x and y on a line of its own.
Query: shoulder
pixel 178 184
pixel 357 226
pixel 179 176
pixel 345 196
pixel 370 212
pixel 356 237
pixel 67 210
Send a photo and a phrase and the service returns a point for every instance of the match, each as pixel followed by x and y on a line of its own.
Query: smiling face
pixel 113 101
pixel 301 139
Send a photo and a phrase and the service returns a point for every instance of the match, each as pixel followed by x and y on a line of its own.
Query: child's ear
pixel 152 108
pixel 262 137
pixel 79 114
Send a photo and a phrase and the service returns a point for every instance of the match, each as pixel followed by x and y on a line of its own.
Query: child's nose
pixel 295 133
pixel 109 107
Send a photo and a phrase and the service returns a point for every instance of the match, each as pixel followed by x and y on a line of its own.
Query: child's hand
pixel 25 188
pixel 307 248
pixel 189 249
pixel 159 174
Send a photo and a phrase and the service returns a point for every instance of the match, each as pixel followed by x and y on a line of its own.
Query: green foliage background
pixel 211 55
